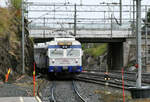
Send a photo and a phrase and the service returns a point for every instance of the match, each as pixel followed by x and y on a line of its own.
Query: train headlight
pixel 53 60
pixel 77 60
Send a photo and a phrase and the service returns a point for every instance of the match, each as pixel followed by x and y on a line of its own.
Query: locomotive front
pixel 65 55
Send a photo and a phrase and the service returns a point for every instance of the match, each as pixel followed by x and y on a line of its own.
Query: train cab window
pixel 73 53
pixel 56 53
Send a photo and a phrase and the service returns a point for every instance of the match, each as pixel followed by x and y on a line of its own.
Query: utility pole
pixel 104 20
pixel 75 20
pixel 23 64
pixel 138 31
pixel 139 91
pixel 111 24
pixel 44 28
pixel 133 17
pixel 120 12
pixel 146 49
pixel 81 2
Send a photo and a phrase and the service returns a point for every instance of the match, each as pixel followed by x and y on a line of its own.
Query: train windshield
pixel 56 53
pixel 73 53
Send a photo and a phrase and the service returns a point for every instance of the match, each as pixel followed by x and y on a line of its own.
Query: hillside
pixel 10 44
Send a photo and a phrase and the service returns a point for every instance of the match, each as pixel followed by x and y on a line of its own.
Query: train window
pixel 56 53
pixel 73 53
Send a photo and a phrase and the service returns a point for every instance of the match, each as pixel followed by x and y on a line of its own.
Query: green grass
pixel 98 50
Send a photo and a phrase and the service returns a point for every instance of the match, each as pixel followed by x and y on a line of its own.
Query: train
pixel 60 55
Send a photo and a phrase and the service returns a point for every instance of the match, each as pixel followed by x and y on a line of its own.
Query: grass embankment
pixel 97 50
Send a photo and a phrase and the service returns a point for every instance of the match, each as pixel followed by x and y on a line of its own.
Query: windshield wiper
pixel 69 51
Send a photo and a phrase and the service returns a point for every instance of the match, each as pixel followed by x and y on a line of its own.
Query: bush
pixel 98 50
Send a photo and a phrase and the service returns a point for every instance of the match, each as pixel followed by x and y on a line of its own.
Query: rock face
pixel 10 44
pixel 10 57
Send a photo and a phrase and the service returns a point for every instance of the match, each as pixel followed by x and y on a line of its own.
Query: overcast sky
pixel 144 2
pixel 125 2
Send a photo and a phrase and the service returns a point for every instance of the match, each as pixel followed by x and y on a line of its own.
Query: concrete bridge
pixel 114 38
pixel 84 36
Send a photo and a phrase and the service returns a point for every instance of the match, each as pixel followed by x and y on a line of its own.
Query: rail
pixel 76 91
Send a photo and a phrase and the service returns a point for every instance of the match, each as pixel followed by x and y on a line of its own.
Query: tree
pixel 16 4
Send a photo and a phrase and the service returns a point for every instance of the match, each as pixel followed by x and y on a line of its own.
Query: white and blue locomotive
pixel 59 55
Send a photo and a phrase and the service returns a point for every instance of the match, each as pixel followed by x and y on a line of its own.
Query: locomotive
pixel 59 55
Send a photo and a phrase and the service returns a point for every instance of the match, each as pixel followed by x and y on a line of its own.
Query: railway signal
pixel 106 76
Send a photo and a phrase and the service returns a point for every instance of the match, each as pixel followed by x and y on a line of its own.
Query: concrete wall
pixel 130 53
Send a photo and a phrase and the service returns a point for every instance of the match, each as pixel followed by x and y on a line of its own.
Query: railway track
pixel 77 92
pixel 102 82
pixel 51 94
pixel 118 75
pixel 115 79
pixel 116 71
pixel 55 93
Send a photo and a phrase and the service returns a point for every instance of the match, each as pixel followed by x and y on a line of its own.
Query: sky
pixel 96 2
pixel 93 1
pixel 125 2
pixel 144 2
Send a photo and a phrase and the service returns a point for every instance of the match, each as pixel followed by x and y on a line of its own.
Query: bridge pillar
pixel 115 56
